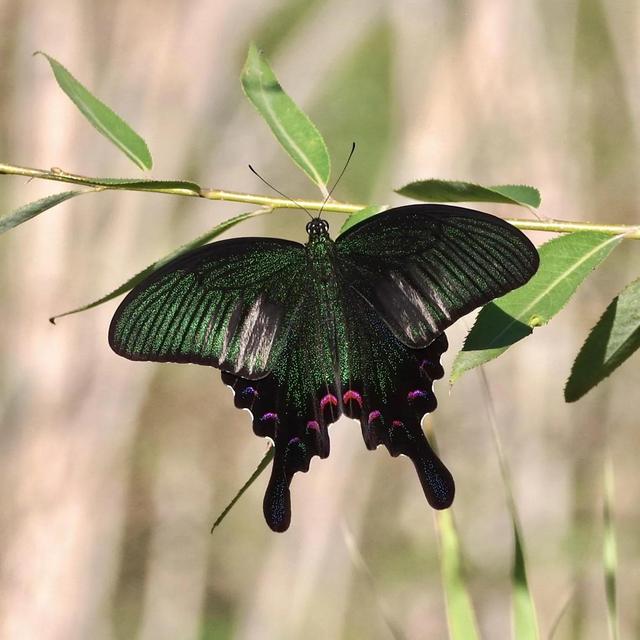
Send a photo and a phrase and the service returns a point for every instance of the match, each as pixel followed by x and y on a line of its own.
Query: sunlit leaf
pixel 108 123
pixel 28 211
pixel 455 191
pixel 291 126
pixel 461 616
pixel 615 337
pixel 363 214
pixel 263 464
pixel 564 264
pixel 139 277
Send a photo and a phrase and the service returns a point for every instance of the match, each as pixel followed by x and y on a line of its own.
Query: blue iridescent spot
pixel 426 363
pixel 313 425
pixel 417 394
pixel 374 415
pixel 270 416
pixel 249 393
pixel 298 444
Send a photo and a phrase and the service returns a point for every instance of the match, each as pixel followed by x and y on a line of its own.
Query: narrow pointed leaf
pixel 461 617
pixel 615 338
pixel 564 264
pixel 455 191
pixel 139 277
pixel 610 552
pixel 363 214
pixel 28 211
pixel 290 125
pixel 263 464
pixel 143 185
pixel 108 123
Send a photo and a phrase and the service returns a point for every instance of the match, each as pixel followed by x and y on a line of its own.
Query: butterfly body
pixel 306 333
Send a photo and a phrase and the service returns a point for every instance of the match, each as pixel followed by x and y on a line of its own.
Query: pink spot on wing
pixel 328 399
pixel 269 417
pixel 352 395
pixel 397 424
pixel 416 394
pixel 313 424
pixel 374 415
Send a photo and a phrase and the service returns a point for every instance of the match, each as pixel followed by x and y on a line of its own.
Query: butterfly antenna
pixel 335 184
pixel 284 195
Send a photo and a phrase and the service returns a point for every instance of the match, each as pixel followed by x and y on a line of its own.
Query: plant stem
pixel 332 206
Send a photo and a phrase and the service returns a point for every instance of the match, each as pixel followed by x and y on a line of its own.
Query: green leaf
pixel 108 123
pixel 264 463
pixel 143 185
pixel 461 617
pixel 609 552
pixel 564 263
pixel 139 277
pixel 614 338
pixel 290 125
pixel 28 211
pixel 363 214
pixel 456 191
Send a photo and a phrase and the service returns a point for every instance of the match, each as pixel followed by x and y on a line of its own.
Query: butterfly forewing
pixel 422 267
pixel 227 304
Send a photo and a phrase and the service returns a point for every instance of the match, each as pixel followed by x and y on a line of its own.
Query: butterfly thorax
pixel 327 295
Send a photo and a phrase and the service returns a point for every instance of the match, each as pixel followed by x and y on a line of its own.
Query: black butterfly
pixel 304 333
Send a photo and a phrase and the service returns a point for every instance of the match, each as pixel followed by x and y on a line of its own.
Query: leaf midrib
pixel 550 287
pixel 284 132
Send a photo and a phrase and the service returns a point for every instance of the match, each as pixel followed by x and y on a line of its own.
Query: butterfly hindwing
pixel 388 387
pixel 293 405
pixel 369 376
pixel 422 267
pixel 225 304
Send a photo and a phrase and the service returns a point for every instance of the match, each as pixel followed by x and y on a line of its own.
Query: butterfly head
pixel 317 228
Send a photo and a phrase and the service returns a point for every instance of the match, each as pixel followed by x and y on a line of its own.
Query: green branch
pixel 189 189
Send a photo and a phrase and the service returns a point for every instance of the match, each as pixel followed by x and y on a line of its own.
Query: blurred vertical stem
pixel 609 550
pixel 461 616
pixel 525 623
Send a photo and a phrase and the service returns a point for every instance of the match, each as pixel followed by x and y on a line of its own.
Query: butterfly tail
pixel 436 480
pixel 293 453
pixel 277 498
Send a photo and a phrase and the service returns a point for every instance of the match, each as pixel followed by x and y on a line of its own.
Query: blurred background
pixel 112 472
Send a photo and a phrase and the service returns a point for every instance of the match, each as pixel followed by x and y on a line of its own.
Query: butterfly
pixel 306 333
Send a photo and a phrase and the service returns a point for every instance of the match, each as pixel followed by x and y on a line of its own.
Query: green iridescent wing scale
pixel 225 304
pixel 422 267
